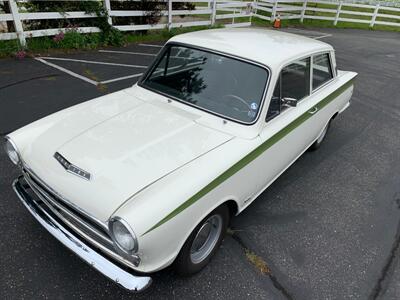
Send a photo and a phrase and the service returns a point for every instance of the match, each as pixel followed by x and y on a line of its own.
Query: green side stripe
pixel 250 157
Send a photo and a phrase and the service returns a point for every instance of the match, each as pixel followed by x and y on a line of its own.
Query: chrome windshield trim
pixel 66 201
pixel 97 261
pixel 144 77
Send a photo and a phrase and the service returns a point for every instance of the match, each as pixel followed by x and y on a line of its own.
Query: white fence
pixel 205 13
pixel 232 13
pixel 335 11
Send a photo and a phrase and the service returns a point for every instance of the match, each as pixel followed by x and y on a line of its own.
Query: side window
pixel 296 79
pixel 294 82
pixel 322 70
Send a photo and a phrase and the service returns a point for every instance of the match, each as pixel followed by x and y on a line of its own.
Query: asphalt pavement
pixel 328 228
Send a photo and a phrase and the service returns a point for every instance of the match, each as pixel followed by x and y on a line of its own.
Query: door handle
pixel 313 110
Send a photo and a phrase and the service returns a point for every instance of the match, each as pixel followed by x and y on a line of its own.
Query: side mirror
pixel 289 101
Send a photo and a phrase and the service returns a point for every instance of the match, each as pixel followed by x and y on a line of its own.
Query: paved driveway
pixel 328 228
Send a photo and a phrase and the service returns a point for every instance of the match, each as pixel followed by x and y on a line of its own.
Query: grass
pixel 258 262
pixel 253 258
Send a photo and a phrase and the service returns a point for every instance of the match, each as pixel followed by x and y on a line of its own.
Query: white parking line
pixel 150 45
pixel 126 52
pixel 68 71
pixel 322 36
pixel 94 62
pixel 85 78
pixel 121 78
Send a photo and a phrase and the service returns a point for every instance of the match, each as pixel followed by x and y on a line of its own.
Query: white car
pixel 149 176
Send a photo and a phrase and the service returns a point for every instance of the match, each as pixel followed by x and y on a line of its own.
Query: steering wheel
pixel 239 100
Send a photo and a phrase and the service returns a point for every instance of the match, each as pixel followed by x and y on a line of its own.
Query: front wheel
pixel 203 242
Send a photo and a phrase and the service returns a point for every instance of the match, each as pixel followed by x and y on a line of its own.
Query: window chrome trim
pixel 311 92
pixel 246 60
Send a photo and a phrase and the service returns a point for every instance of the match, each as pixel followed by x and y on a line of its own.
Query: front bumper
pixel 67 238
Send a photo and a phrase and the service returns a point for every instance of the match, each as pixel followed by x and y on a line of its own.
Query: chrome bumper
pixel 72 242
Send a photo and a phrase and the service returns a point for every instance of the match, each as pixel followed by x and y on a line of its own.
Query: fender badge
pixel 71 168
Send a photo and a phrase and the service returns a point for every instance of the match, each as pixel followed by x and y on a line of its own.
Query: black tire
pixel 183 264
pixel 318 142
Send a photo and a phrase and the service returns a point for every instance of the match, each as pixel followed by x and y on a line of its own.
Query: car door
pixel 289 131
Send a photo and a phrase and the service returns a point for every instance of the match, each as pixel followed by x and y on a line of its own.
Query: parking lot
pixel 328 228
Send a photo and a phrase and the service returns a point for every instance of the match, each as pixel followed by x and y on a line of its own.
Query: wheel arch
pixel 233 207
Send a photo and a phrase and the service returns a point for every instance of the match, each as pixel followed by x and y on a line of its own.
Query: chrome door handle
pixel 313 110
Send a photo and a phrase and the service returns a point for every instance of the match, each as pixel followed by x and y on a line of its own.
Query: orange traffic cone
pixel 277 22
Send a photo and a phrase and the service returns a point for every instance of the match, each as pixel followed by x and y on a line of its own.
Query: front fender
pixel 163 215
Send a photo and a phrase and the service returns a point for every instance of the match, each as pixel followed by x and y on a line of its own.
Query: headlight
pixel 12 151
pixel 123 236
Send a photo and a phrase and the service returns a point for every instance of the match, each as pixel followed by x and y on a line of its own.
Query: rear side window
pixel 322 70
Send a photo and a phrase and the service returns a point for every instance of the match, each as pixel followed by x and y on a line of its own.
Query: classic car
pixel 149 176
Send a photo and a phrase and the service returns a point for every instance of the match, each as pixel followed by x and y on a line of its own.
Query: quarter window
pixel 322 71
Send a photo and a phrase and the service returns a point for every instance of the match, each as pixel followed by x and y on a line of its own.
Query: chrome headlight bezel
pixel 10 147
pixel 129 230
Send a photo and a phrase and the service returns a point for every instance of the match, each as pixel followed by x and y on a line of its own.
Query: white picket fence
pixel 232 13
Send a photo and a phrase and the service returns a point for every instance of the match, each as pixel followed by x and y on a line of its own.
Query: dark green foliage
pixel 61 7
pixel 153 10
pixel 7 48
pixel 108 35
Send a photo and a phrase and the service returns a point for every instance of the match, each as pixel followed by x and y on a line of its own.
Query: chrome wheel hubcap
pixel 206 239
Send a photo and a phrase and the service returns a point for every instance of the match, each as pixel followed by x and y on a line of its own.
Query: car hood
pixel 124 151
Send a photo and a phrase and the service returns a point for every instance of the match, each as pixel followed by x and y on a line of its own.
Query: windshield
pixel 219 84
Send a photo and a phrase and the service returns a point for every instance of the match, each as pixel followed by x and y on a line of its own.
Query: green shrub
pixel 112 37
pixel 73 40
pixel 8 48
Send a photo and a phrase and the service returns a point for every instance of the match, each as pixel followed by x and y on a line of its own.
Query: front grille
pixel 66 212
pixel 88 228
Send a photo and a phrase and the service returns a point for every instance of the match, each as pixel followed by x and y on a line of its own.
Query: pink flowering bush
pixel 21 54
pixel 58 37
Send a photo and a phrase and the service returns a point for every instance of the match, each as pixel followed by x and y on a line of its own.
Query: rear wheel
pixel 203 242
pixel 321 137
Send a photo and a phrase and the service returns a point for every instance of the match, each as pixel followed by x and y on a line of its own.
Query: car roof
pixel 269 47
